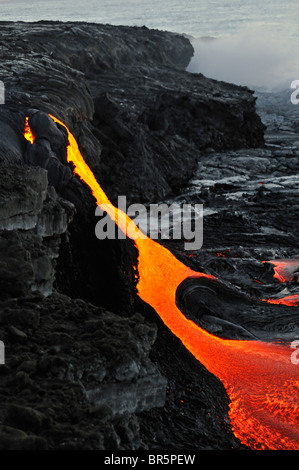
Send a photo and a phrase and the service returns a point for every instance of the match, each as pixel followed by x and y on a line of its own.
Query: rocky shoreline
pixel 88 365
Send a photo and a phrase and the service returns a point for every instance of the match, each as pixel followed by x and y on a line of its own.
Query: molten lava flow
pixel 289 301
pixel 260 379
pixel 27 132
pixel 284 269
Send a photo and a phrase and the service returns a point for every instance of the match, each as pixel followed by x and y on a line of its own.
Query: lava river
pixel 260 379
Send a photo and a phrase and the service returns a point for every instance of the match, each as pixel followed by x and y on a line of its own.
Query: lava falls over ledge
pixel 261 382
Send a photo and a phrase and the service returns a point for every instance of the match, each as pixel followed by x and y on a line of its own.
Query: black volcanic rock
pixel 165 119
pixel 32 219
pixel 133 109
pixel 78 379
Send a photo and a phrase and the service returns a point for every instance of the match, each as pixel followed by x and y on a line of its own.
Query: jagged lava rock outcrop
pixel 127 88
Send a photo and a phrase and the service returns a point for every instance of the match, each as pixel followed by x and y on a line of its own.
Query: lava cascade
pixel 260 379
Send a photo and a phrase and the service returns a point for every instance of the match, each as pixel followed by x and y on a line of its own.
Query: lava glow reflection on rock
pixel 284 269
pixel 260 379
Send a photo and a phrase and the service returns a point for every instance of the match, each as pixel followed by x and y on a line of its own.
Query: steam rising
pixel 255 58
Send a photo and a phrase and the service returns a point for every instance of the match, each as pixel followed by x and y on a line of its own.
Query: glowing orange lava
pixel 260 379
pixel 289 301
pixel 284 268
pixel 27 132
pixel 284 272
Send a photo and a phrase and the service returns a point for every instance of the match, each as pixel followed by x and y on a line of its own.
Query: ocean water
pixel 250 42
